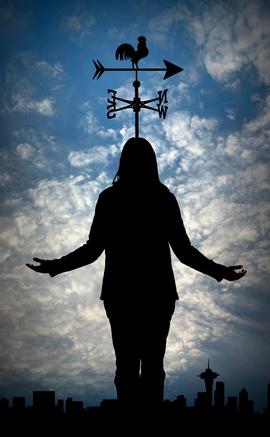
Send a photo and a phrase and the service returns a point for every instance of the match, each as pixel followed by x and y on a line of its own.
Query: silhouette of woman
pixel 136 221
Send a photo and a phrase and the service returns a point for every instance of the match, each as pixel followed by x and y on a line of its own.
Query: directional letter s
pixel 112 104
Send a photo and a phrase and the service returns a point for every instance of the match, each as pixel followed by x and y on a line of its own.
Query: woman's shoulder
pixel 110 193
pixel 115 190
pixel 106 193
pixel 166 193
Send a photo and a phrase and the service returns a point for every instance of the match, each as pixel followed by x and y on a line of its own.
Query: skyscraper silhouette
pixel 219 395
pixel 245 405
pixel 208 376
pixel 268 399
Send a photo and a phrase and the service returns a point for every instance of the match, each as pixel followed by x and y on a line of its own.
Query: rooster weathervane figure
pixel 127 51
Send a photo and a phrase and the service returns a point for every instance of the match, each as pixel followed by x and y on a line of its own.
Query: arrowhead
pixel 171 69
pixel 99 69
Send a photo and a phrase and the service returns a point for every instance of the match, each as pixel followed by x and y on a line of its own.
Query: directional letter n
pixel 162 109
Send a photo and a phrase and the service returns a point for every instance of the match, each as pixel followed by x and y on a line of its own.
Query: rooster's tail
pixel 124 51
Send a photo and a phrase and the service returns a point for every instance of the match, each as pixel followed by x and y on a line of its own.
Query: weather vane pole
pixel 126 51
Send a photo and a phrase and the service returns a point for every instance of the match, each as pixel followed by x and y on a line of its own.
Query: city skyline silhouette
pixel 47 413
pixel 213 398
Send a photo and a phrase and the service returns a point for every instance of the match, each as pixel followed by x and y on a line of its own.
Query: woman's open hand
pixel 43 267
pixel 232 275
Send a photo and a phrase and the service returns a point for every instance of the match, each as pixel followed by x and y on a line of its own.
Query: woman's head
pixel 138 163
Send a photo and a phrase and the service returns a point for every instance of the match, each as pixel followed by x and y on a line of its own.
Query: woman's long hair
pixel 138 165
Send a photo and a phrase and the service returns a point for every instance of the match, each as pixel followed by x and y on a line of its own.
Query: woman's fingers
pixel 38 260
pixel 29 265
pixel 32 267
pixel 236 267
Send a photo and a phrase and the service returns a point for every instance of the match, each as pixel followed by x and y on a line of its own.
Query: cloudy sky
pixel 59 151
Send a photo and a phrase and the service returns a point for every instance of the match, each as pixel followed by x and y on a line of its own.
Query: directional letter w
pixel 162 109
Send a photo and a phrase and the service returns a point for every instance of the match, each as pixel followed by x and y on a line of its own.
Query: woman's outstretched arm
pixel 86 254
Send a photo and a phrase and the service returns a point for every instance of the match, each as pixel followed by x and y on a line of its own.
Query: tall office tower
pixel 268 398
pixel 219 395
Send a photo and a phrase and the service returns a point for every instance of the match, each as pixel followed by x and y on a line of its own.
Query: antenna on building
pixel 209 376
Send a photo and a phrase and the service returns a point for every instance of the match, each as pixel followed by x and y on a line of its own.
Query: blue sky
pixel 58 151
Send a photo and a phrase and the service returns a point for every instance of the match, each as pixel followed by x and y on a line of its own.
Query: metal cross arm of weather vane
pixel 137 104
pixel 126 51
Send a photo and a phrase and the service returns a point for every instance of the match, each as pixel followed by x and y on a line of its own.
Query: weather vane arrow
pixel 171 69
pixel 127 51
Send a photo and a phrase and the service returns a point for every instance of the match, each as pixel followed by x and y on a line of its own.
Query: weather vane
pixel 126 51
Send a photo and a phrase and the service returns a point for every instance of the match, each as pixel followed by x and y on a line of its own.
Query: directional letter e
pixel 112 104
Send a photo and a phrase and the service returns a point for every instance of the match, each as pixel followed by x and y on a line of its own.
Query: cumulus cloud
pixel 95 156
pixel 30 83
pixel 89 121
pixel 261 123
pixel 187 134
pixel 4 178
pixel 23 103
pixel 161 26
pixel 91 125
pixel 24 150
pixel 34 146
pixel 79 25
pixel 239 39
pixel 55 70
pixel 230 113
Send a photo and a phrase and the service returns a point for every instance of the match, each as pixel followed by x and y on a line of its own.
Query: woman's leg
pixel 126 346
pixel 154 334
